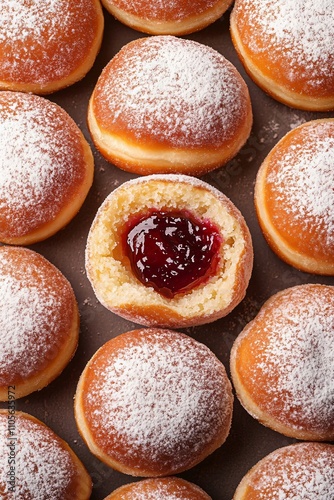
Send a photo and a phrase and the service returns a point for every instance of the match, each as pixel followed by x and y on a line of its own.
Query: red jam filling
pixel 172 251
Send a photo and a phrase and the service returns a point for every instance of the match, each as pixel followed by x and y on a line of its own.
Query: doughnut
pixel 303 470
pixel 294 197
pixel 153 402
pixel 165 488
pixel 287 48
pixel 165 17
pixel 47 46
pixel 169 105
pixel 36 463
pixel 169 250
pixel 46 168
pixel 282 363
pixel 39 321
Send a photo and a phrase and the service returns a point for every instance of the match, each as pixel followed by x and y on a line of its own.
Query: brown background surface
pixel 248 441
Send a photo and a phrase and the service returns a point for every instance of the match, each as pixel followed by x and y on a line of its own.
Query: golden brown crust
pixel 287 49
pixel 162 488
pixel 153 403
pixel 304 470
pixel 42 464
pixel 46 47
pixel 294 197
pixel 281 363
pixel 166 17
pixel 46 185
pixel 39 322
pixel 181 108
pixel 119 290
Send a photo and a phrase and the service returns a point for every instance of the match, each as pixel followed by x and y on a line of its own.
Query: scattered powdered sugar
pixel 34 37
pixel 162 489
pixel 179 91
pixel 30 316
pixel 297 360
pixel 300 29
pixel 38 160
pixel 43 469
pixel 303 471
pixel 164 10
pixel 304 180
pixel 162 397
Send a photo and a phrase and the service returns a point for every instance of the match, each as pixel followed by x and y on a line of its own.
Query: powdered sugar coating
pixel 291 358
pixel 44 42
pixel 41 162
pixel 167 488
pixel 300 180
pixel 43 468
pixel 295 37
pixel 36 313
pixel 158 401
pixel 172 91
pixel 302 471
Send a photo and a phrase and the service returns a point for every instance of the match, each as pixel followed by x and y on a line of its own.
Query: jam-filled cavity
pixel 172 251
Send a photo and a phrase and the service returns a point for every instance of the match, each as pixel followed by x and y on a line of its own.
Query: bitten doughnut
pixel 169 105
pixel 39 321
pixel 287 48
pixel 153 402
pixel 46 46
pixel 169 250
pixel 165 488
pixel 36 463
pixel 165 17
pixel 304 470
pixel 46 168
pixel 294 197
pixel 282 363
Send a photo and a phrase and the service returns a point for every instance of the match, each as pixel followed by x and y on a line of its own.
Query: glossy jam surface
pixel 172 251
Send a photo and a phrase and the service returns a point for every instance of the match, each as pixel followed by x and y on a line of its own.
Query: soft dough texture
pixel 46 46
pixel 39 321
pixel 169 105
pixel 282 363
pixel 294 197
pixel 167 17
pixel 45 467
pixel 304 470
pixel 166 488
pixel 46 168
pixel 115 284
pixel 287 48
pixel 153 402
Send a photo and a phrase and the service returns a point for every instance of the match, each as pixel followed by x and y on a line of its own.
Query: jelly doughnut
pixel 304 470
pixel 39 321
pixel 287 48
pixel 169 105
pixel 46 46
pixel 169 250
pixel 167 17
pixel 153 402
pixel 294 197
pixel 36 463
pixel 282 363
pixel 46 168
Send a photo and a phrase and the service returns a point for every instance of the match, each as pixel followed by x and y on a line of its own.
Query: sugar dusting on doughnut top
pixel 43 469
pixel 305 470
pixel 42 41
pixel 295 366
pixel 297 32
pixel 165 10
pixel 173 91
pixel 162 397
pixel 302 182
pixel 40 162
pixel 34 313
